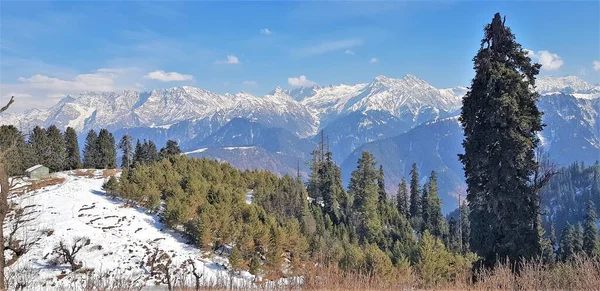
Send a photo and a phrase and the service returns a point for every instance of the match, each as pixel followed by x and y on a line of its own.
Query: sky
pixel 51 49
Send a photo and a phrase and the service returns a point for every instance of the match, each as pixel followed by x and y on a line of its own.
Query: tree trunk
pixel 4 187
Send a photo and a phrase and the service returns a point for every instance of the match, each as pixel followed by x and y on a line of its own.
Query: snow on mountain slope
pixel 121 238
pixel 567 85
pixel 398 96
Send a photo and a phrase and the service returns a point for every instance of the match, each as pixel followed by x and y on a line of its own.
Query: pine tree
pixel 465 227
pixel 331 189
pixel 415 197
pixel 55 159
pixel 127 150
pixel 138 155
pixel 363 187
pixel 90 150
pixel 235 259
pixel 578 239
pixel 39 143
pixel 454 240
pixel 402 199
pixel 16 154
pixel 433 220
pixel 500 119
pixel 591 243
pixel 73 160
pixel 106 150
pixel 170 149
pixel 381 186
pixel 566 249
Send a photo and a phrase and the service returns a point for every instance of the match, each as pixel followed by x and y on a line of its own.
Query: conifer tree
pixel 331 189
pixel 73 159
pixel 56 154
pixel 90 150
pixel 566 249
pixel 106 150
pixel 236 260
pixel 17 154
pixel 465 227
pixel 433 220
pixel 170 149
pixel 127 151
pixel 415 197
pixel 402 199
pixel 381 186
pixel 591 245
pixel 578 239
pixel 363 187
pixel 501 120
pixel 39 143
pixel 138 155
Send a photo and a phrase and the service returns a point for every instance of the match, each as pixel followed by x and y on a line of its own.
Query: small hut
pixel 37 172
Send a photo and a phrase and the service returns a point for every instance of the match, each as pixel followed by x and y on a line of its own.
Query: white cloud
pixel 549 61
pixel 82 82
pixel 373 60
pixel 348 52
pixel 231 60
pixel 301 81
pixel 596 65
pixel 163 76
pixel 249 83
pixel 328 46
pixel 42 90
pixel 266 31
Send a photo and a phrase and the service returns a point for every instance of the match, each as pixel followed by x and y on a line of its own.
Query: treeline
pixel 571 201
pixel 60 151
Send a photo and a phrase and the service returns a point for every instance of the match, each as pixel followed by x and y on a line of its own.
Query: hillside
pixel 122 239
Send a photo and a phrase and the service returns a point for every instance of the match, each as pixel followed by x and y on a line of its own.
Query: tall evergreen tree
pixel 578 239
pixel 364 189
pixel 331 189
pixel 591 245
pixel 500 119
pixel 415 195
pixel 433 220
pixel 106 150
pixel 465 227
pixel 39 143
pixel 16 154
pixel 566 248
pixel 402 199
pixel 381 186
pixel 55 143
pixel 127 151
pixel 73 159
pixel 90 150
pixel 138 155
pixel 170 149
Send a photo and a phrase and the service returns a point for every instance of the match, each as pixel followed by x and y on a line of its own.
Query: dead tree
pixel 67 254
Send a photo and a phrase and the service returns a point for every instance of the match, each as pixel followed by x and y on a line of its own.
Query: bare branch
pixel 11 101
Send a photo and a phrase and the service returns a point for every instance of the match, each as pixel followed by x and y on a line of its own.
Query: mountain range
pixel 402 121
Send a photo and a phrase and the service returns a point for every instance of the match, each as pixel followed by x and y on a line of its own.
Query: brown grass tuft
pixel 46 182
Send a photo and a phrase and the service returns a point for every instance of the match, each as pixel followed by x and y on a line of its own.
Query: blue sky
pixel 49 49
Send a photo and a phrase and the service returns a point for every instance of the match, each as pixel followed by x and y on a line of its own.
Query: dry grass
pixel 46 182
pixel 84 173
pixel 110 172
pixel 580 274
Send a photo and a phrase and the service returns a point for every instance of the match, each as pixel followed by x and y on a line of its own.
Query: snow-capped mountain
pixel 279 129
pixel 567 85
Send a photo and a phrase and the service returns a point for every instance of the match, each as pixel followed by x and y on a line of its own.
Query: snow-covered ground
pixel 121 239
